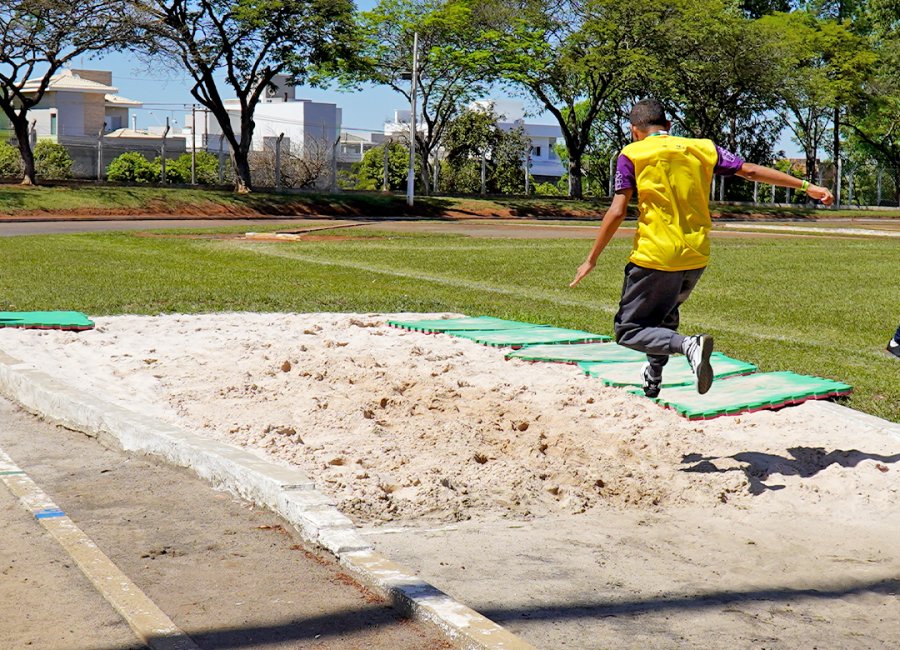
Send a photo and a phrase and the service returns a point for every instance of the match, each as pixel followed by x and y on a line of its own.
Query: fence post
pixel 612 175
pixel 837 184
pixel 712 189
pixel 100 156
pixel 878 189
pixel 528 170
pixel 334 165
pixel 278 162
pixel 722 189
pixel 755 192
pixel 484 172
pixel 386 181
pixel 32 134
pixel 221 159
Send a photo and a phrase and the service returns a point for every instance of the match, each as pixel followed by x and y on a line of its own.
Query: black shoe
pixel 698 349
pixel 894 348
pixel 649 382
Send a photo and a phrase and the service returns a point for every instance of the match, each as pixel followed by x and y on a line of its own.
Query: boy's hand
pixel 820 193
pixel 583 270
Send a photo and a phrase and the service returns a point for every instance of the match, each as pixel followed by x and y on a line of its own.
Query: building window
pixel 537 152
pixel 52 123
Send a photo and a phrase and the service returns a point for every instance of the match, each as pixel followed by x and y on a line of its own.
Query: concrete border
pixel 285 490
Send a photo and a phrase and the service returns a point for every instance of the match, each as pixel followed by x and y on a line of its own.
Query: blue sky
pixel 165 92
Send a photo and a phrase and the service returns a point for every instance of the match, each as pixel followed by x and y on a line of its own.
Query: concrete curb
pixel 285 490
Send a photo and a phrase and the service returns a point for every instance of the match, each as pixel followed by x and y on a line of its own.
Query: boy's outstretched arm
pixel 611 222
pixel 753 172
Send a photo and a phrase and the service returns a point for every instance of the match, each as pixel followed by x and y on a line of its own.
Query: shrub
pixel 52 160
pixel 132 167
pixel 206 170
pixel 10 160
pixel 548 189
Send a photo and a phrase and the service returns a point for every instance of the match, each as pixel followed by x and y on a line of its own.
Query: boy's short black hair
pixel 647 113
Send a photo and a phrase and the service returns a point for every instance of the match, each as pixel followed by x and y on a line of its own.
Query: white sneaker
pixel 698 349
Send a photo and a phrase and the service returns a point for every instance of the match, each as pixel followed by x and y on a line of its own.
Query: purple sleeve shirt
pixel 625 179
pixel 728 164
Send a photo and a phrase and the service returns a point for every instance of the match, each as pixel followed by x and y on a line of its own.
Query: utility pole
pixel 163 157
pixel 193 144
pixel 411 176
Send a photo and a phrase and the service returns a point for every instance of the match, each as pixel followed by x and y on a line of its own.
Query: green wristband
pixel 804 186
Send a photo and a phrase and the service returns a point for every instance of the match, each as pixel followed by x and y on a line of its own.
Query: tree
pixel 249 42
pixel 572 53
pixel 451 70
pixel 39 37
pixel 874 120
pixel 474 134
pixel 370 170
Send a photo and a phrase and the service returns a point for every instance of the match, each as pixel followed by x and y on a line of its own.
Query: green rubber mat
pixel 56 320
pixel 596 352
pixel 764 390
pixel 530 336
pixel 677 372
pixel 479 323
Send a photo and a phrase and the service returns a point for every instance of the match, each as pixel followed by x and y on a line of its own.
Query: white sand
pixel 403 425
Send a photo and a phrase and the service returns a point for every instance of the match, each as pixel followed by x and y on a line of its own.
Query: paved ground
pixel 228 575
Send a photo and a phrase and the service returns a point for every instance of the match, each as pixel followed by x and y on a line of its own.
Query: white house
pixel 354 145
pixel 309 128
pixel 544 161
pixel 78 104
pixel 545 164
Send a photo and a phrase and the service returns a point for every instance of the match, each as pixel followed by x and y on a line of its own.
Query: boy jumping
pixel 672 176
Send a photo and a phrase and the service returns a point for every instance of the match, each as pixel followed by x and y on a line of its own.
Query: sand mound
pixel 401 425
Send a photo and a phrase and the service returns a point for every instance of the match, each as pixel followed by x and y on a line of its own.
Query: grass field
pixel 91 200
pixel 818 306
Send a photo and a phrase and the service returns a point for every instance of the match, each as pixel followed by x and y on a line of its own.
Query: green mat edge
pixel 575 340
pixel 840 389
pixel 78 321
pixel 410 326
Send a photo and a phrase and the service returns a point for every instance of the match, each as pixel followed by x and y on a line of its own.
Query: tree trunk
pixel 241 165
pixel 20 126
pixel 576 174
pixel 424 169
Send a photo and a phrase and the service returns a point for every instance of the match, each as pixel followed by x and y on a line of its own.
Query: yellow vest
pixel 673 177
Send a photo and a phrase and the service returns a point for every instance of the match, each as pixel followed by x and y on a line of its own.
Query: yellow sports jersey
pixel 672 176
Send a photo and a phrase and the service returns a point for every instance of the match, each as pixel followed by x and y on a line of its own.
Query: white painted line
pixel 149 622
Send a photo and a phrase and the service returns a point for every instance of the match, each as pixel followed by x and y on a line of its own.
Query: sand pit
pixel 403 426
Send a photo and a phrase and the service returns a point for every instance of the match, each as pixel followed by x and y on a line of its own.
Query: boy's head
pixel 647 116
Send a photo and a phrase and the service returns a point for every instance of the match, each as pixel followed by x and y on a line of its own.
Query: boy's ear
pixel 636 134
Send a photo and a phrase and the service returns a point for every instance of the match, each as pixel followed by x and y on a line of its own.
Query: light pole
pixel 411 176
